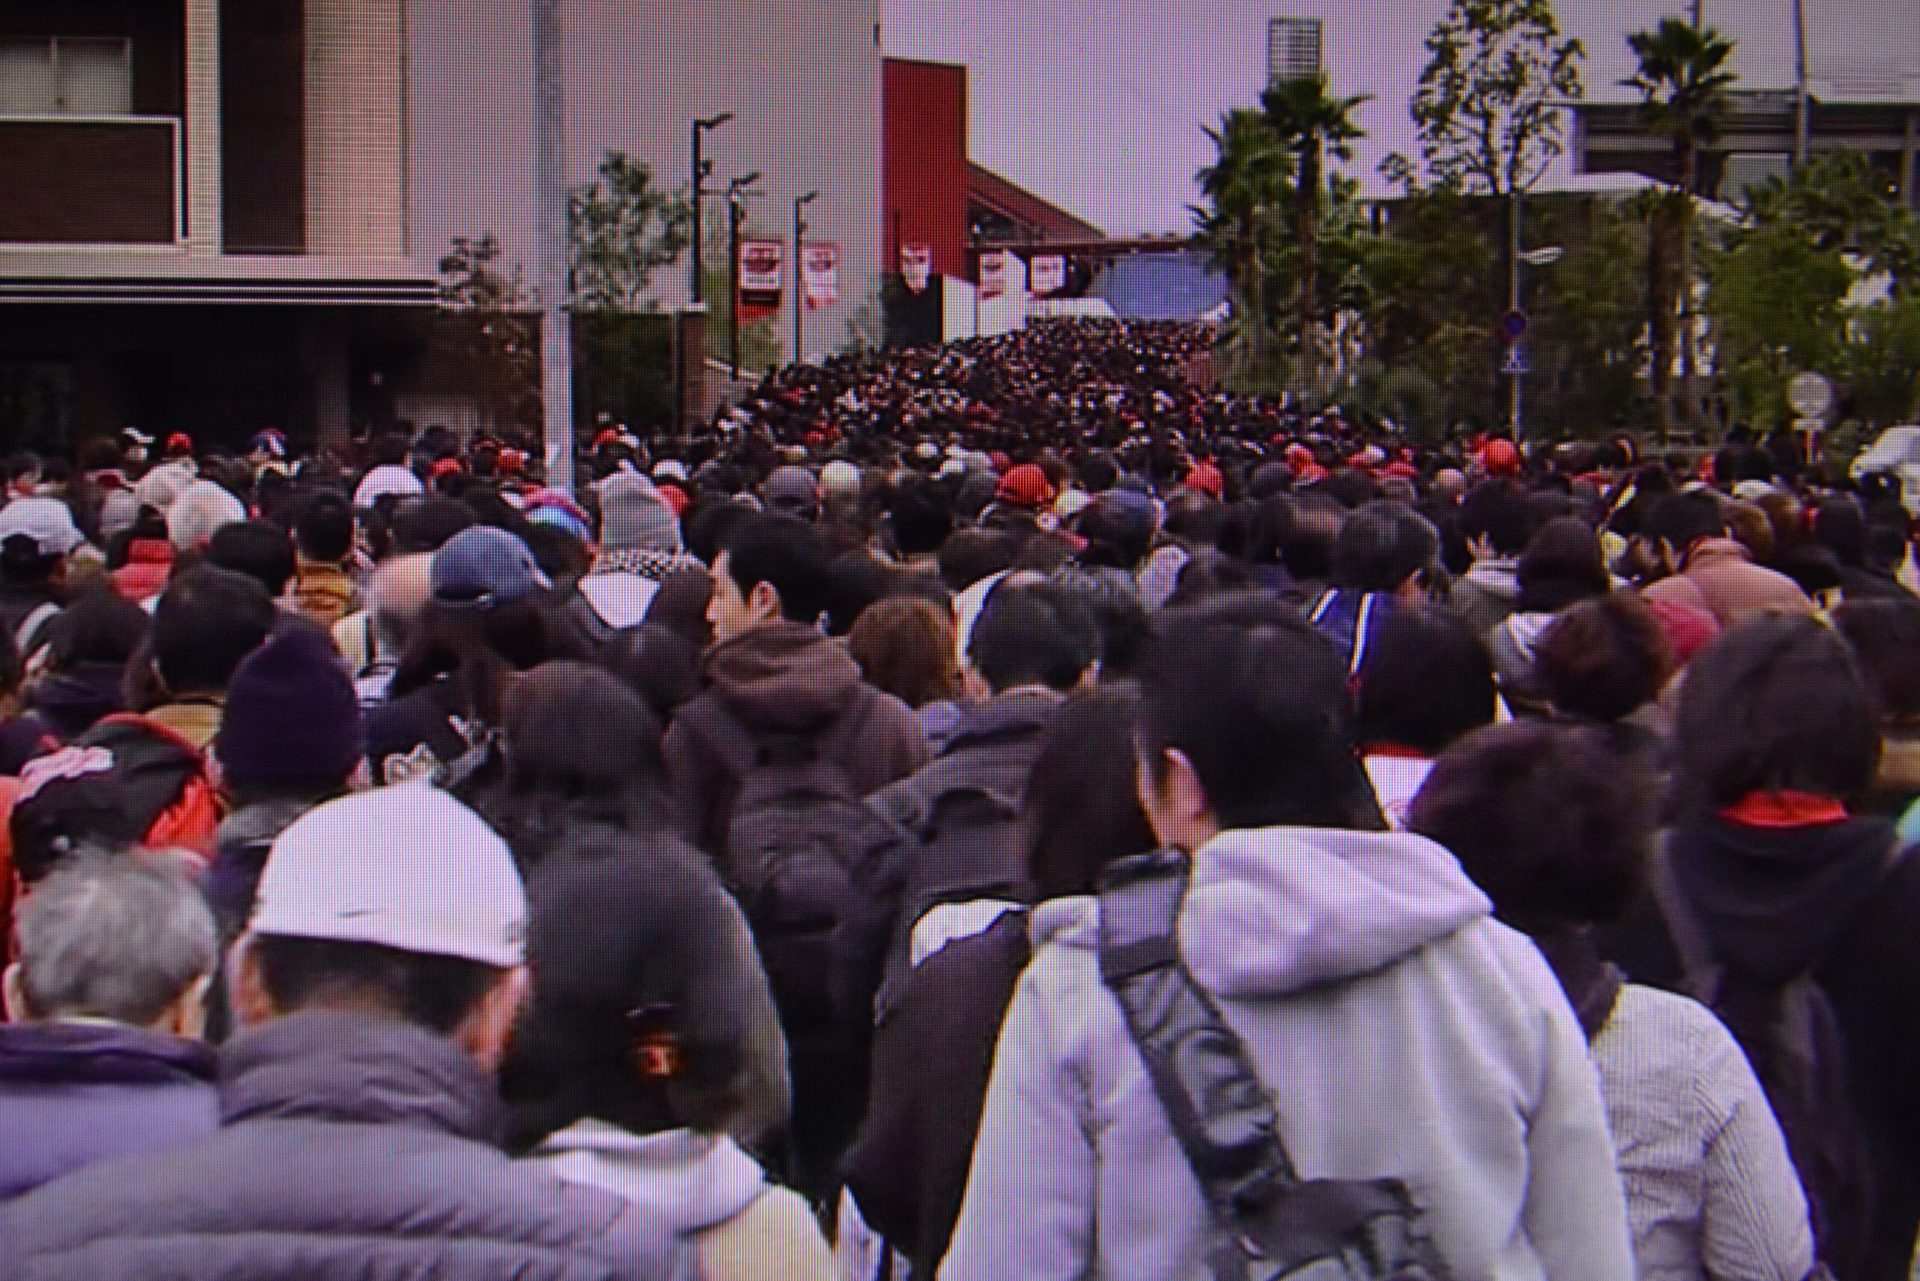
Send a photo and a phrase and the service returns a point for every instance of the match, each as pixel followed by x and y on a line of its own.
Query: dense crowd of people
pixel 1002 810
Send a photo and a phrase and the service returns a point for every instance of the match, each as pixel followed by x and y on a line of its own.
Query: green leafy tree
pixel 1429 299
pixel 488 324
pixel 1587 325
pixel 1489 103
pixel 1778 304
pixel 622 228
pixel 1886 363
pixel 1795 285
pixel 1844 202
pixel 1683 84
pixel 759 339
pixel 1315 125
pixel 1245 192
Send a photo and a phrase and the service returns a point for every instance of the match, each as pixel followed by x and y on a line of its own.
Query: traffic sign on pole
pixel 1513 325
pixel 1515 362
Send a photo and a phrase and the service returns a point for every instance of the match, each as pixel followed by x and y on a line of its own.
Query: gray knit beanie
pixel 633 518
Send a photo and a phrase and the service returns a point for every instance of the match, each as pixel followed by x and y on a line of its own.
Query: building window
pixel 1293 49
pixel 65 76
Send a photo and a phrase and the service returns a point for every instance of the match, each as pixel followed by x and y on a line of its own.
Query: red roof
pixel 985 187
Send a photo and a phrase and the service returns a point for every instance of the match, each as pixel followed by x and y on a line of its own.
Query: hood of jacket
pixel 359 1069
pixel 71 701
pixel 691 1181
pixel 1274 911
pixel 57 1053
pixel 1710 550
pixel 990 748
pixel 1499 576
pixel 783 676
pixel 1774 901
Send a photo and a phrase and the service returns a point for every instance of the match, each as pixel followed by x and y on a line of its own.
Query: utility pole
pixel 1513 305
pixel 1801 104
pixel 736 216
pixel 799 269
pixel 702 170
pixel 550 187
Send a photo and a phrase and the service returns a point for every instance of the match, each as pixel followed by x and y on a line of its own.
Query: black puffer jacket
pixel 350 1147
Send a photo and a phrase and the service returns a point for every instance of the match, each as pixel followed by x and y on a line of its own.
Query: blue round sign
pixel 1513 325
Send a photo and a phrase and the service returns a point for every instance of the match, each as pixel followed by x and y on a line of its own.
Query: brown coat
pixel 788 678
pixel 1720 577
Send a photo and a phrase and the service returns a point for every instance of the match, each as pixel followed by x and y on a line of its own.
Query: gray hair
pixel 113 936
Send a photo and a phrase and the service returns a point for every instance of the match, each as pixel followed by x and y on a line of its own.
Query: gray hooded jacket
pixel 1401 1030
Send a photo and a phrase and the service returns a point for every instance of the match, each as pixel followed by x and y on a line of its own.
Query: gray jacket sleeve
pixel 1029 1206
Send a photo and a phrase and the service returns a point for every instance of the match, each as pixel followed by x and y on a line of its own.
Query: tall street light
pixel 550 187
pixel 1540 256
pixel 736 216
pixel 799 279
pixel 702 170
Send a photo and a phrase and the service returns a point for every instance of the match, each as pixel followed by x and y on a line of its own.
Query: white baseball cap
pixel 44 520
pixel 406 867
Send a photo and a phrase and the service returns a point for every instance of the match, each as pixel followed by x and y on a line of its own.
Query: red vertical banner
pixel 1047 274
pixel 762 274
pixel 820 275
pixel 916 266
pixel 993 274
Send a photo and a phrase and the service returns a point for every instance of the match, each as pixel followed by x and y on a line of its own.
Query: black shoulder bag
pixel 1266 1223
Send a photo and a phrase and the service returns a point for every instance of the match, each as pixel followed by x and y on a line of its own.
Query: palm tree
pixel 1683 84
pixel 1313 124
pixel 1244 187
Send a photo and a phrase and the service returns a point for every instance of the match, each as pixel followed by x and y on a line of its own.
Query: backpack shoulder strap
pixel 1200 1070
pixel 25 634
pixel 1701 974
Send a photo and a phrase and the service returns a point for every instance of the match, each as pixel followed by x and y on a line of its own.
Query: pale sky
pixel 1097 104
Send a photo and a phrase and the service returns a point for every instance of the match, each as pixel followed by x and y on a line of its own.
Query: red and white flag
pixel 820 275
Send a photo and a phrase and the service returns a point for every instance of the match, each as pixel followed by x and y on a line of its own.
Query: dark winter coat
pixel 932 1058
pixel 1773 902
pixel 75 1093
pixel 71 702
pixel 788 679
pixel 350 1146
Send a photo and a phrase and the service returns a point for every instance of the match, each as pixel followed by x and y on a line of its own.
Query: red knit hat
pixel 1502 458
pixel 1206 478
pixel 1025 486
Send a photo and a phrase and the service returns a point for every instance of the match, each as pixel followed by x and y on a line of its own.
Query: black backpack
pixel 816 870
pixel 1266 1223
pixel 1793 1039
pixel 966 846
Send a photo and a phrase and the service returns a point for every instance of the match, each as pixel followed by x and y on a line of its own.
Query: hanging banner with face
pixel 916 266
pixel 762 272
pixel 993 274
pixel 1048 273
pixel 820 275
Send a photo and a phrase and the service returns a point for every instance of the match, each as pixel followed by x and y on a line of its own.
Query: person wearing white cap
pixel 36 537
pixel 378 982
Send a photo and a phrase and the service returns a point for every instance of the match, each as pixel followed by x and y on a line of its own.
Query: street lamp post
pixel 702 169
pixel 736 216
pixel 799 279
pixel 1539 256
pixel 550 188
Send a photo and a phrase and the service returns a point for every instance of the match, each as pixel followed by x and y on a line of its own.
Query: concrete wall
pixel 802 77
